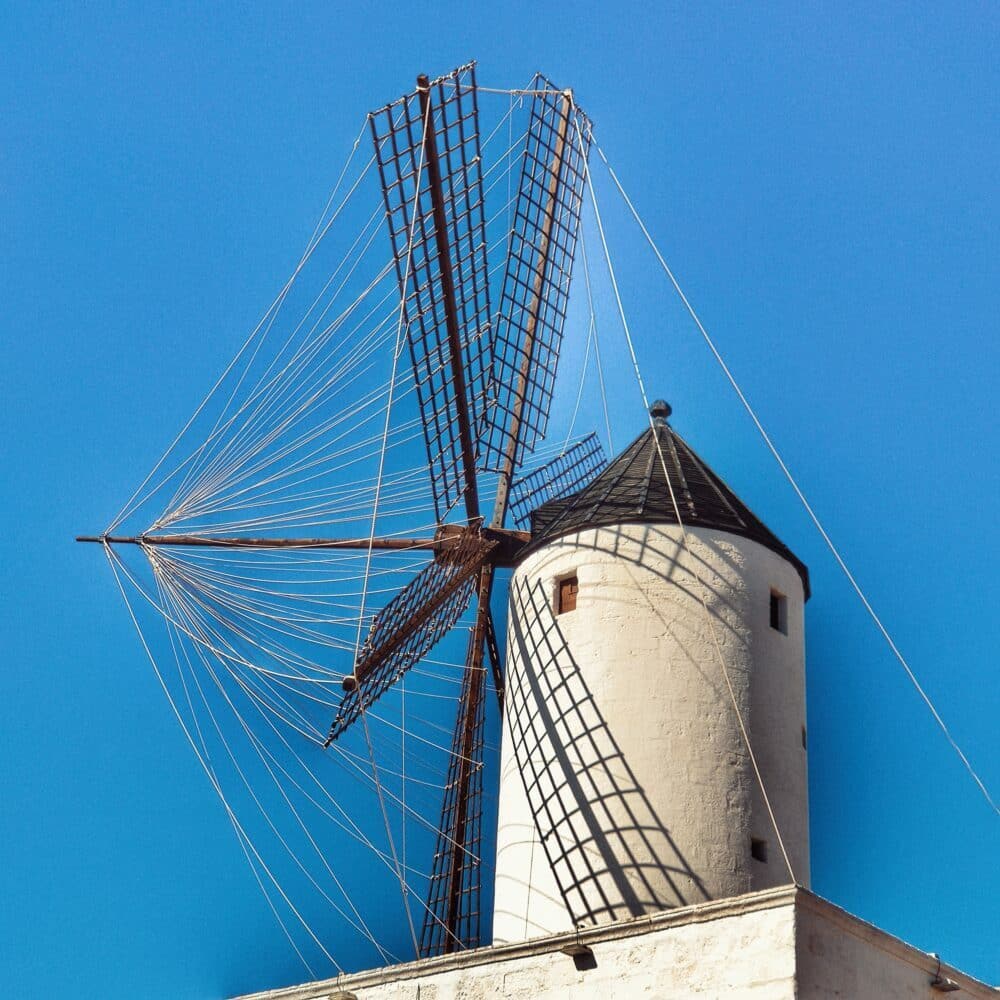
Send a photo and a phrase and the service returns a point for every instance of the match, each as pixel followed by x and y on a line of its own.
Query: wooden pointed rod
pixel 217 542
pixel 456 358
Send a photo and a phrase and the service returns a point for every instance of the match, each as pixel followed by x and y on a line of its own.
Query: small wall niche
pixel 758 849
pixel 566 591
pixel 779 612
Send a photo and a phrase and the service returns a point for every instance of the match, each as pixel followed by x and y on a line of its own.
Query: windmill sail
pixel 428 144
pixel 410 625
pixel 453 902
pixel 537 276
pixel 564 474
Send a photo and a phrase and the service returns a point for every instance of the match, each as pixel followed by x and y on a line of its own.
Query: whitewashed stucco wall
pixel 727 954
pixel 776 944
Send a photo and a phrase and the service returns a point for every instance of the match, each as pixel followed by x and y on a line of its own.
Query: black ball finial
pixel 660 410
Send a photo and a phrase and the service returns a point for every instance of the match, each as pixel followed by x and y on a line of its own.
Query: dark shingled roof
pixel 633 489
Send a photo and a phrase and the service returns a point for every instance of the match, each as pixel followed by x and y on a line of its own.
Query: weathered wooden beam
pixel 467 725
pixel 221 542
pixel 508 543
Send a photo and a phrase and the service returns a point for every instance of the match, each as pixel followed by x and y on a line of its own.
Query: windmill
pixel 482 372
pixel 484 377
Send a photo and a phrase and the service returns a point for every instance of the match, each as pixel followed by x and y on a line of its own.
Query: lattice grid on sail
pixel 565 474
pixel 398 131
pixel 537 276
pixel 412 623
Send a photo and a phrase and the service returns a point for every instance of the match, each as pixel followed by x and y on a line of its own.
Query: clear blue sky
pixel 824 179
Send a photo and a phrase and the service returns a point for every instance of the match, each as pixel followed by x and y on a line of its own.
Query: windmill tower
pixel 638 649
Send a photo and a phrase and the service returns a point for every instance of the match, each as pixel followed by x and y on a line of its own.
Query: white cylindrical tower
pixel 637 651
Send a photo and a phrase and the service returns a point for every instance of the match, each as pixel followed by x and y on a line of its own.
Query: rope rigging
pixel 320 480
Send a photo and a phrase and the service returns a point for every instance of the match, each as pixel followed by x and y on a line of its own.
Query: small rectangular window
pixel 779 612
pixel 566 598
pixel 758 849
pixel 804 747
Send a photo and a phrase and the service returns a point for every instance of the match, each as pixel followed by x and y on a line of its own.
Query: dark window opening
pixel 779 612
pixel 566 598
pixel 804 738
pixel 758 849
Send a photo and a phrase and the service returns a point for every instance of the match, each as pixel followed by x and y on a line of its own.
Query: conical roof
pixel 633 489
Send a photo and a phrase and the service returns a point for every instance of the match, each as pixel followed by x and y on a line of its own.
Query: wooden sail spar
pixel 237 542
pixel 504 544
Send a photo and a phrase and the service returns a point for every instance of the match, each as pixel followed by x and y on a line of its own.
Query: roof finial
pixel 659 411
